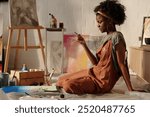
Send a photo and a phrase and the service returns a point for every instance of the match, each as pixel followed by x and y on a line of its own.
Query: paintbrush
pixel 51 74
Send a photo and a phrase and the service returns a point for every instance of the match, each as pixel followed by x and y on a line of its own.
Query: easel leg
pixel 17 50
pixel 25 40
pixel 43 55
pixel 8 50
pixel 42 47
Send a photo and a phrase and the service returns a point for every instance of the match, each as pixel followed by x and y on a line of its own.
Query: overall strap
pixel 114 56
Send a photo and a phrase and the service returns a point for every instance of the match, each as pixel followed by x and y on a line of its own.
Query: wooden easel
pixel 25 47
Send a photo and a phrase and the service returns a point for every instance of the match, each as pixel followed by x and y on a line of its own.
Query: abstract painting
pixel 23 13
pixel 75 57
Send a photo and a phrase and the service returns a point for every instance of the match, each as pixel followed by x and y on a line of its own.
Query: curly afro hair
pixel 112 9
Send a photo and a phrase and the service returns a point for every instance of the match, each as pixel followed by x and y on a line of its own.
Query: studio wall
pixel 78 15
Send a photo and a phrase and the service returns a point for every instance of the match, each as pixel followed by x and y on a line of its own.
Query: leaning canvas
pixel 1 34
pixel 75 57
pixel 23 13
pixel 56 56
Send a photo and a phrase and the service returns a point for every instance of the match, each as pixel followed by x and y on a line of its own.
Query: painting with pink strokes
pixel 75 57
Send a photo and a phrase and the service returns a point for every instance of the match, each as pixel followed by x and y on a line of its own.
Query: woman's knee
pixel 73 88
pixel 69 87
pixel 59 82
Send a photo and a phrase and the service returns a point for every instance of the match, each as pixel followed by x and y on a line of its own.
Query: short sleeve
pixel 117 37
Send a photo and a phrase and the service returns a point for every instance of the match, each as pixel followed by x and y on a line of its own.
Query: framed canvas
pixel 146 29
pixel 56 55
pixel 54 51
pixel 23 13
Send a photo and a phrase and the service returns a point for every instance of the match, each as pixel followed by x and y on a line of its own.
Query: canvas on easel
pixel 23 17
pixel 23 13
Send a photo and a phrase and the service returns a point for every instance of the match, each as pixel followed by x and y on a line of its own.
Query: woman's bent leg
pixel 69 76
pixel 80 86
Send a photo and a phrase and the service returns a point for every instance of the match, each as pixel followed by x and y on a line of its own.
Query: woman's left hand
pixel 139 90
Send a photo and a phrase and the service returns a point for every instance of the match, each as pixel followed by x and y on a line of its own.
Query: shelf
pixel 143 48
pixel 55 29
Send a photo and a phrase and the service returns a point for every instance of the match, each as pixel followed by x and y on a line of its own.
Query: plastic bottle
pixel 24 68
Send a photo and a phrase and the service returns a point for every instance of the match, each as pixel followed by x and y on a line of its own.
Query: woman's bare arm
pixel 120 53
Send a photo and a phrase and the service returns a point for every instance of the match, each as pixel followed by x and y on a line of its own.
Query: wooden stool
pixel 26 47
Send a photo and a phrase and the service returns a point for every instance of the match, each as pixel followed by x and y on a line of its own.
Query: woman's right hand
pixel 81 40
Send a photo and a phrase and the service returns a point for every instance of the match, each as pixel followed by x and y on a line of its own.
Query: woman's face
pixel 101 23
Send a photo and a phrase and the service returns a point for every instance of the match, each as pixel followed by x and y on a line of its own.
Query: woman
pixel 102 77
